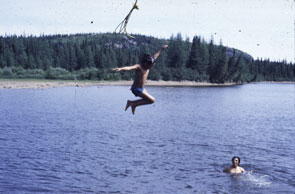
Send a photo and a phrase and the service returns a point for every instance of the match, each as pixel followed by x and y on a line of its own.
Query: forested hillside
pixel 91 56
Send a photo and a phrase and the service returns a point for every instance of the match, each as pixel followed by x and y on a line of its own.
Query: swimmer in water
pixel 235 167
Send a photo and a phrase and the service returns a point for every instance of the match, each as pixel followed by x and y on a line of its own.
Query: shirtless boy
pixel 141 74
pixel 235 167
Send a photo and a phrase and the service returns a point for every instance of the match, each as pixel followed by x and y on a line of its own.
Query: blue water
pixel 80 140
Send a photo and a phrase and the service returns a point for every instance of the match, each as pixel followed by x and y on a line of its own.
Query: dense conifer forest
pixel 92 56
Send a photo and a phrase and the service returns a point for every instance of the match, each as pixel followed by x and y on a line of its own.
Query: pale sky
pixel 262 28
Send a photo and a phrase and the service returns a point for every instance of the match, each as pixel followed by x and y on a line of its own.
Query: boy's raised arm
pixel 126 68
pixel 157 54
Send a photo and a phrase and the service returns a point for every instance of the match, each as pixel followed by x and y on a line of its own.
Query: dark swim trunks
pixel 136 91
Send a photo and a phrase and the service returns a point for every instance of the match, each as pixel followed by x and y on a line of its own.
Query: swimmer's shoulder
pixel 228 169
pixel 242 169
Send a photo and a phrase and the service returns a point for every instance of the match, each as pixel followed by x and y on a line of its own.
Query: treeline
pixel 91 56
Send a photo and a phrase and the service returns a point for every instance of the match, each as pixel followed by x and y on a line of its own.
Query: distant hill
pixel 230 51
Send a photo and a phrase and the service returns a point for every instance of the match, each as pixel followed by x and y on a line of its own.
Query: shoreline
pixel 44 84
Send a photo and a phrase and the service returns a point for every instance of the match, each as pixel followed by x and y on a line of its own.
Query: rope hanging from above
pixel 123 25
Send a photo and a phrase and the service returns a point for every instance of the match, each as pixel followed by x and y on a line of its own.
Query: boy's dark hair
pixel 237 158
pixel 147 58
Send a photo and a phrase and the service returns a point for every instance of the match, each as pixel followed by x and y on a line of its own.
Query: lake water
pixel 80 140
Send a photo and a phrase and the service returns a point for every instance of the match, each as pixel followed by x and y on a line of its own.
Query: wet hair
pixel 147 58
pixel 234 159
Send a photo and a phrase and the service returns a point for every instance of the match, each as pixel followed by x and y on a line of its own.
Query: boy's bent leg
pixel 137 103
pixel 146 96
pixel 146 99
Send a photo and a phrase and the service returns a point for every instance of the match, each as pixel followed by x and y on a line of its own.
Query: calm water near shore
pixel 80 140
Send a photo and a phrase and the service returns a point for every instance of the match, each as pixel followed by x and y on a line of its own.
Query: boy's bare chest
pixel 143 73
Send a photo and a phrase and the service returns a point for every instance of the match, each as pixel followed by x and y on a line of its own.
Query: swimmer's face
pixel 236 162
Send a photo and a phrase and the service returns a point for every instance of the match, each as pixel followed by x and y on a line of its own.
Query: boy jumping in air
pixel 141 74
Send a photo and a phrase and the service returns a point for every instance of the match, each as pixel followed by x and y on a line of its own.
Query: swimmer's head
pixel 236 161
pixel 147 61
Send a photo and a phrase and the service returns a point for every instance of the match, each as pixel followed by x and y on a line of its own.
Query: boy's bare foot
pixel 128 104
pixel 133 109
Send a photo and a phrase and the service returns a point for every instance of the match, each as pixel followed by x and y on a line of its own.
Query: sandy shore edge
pixel 43 84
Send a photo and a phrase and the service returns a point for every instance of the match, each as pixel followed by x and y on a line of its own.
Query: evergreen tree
pixel 198 59
pixel 212 62
pixel 97 58
pixel 2 62
pixel 89 57
pixel 175 53
pixel 195 58
pixel 221 66
pixel 239 75
pixel 9 58
pixel 82 62
pixel 31 62
pixel 231 66
pixel 73 58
